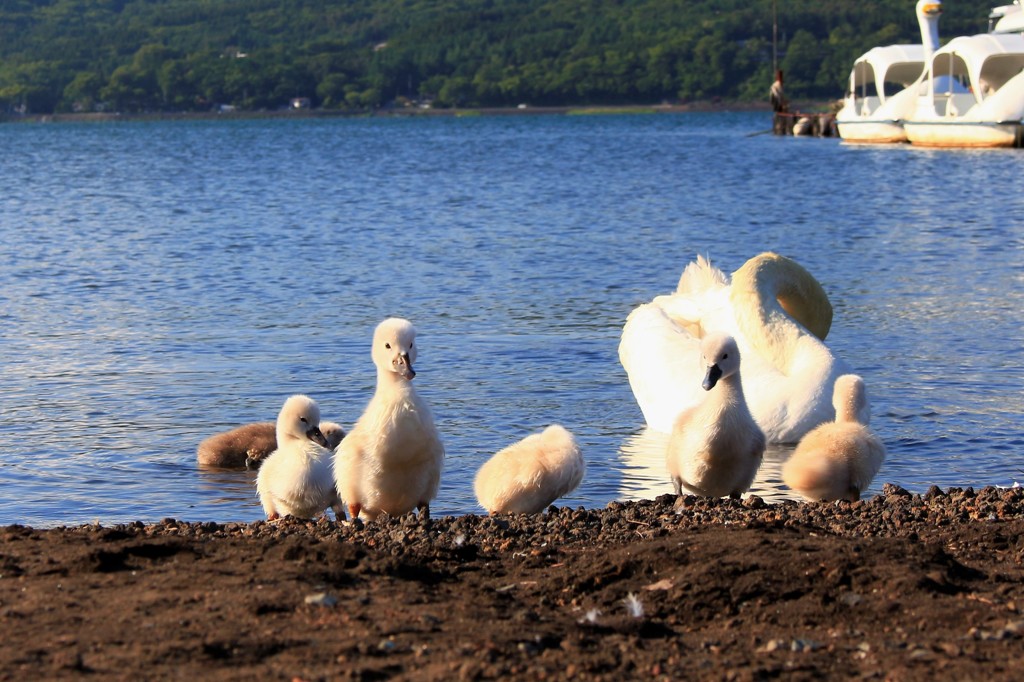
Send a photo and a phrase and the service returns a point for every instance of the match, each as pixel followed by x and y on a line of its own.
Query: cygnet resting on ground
pixel 245 447
pixel 716 447
pixel 529 475
pixel 297 479
pixel 837 460
pixel 390 462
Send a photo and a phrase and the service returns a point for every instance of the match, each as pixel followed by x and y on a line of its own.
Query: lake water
pixel 163 281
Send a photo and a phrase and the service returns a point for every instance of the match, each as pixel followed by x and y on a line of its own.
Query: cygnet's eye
pixel 410 344
pixel 725 356
pixel 388 346
pixel 303 420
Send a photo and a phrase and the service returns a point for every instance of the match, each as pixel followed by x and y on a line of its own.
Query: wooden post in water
pixel 775 39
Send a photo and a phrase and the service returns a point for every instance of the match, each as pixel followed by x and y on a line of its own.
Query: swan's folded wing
pixel 700 315
pixel 347 464
pixel 662 361
pixel 700 276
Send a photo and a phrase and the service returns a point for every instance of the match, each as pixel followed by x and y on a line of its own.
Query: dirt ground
pixel 901 587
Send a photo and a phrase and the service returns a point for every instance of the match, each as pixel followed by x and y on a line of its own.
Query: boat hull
pixel 864 131
pixel 963 134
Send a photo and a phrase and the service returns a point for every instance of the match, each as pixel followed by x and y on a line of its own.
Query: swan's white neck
pixel 389 382
pixel 287 438
pixel 928 13
pixel 731 387
pixel 766 295
pixel 850 401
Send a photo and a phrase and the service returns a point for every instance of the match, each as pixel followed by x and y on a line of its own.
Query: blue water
pixel 163 281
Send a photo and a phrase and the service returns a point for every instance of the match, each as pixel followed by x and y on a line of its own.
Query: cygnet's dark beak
pixel 315 435
pixel 405 366
pixel 712 377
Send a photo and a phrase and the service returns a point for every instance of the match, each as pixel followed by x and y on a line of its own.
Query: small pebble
pixel 321 599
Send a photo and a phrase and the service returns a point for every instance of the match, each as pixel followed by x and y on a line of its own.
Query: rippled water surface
pixel 163 281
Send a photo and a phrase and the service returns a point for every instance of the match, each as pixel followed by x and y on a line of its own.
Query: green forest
pixel 199 55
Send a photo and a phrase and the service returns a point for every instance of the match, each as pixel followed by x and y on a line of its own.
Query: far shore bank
pixel 690 107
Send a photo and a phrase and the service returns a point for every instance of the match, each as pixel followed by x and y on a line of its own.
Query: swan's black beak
pixel 712 377
pixel 317 436
pixel 405 366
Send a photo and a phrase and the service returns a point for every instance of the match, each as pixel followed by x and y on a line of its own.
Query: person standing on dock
pixel 780 107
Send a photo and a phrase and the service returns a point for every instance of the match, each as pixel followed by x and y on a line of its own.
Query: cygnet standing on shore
pixel 246 446
pixel 296 479
pixel 837 460
pixel 716 447
pixel 391 459
pixel 529 475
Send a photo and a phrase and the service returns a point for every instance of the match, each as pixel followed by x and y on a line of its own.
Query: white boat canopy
pixel 1007 19
pixel 901 64
pixel 986 60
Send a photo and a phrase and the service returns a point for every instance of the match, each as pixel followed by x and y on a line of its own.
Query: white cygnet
pixel 837 460
pixel 296 479
pixel 391 460
pixel 716 447
pixel 529 475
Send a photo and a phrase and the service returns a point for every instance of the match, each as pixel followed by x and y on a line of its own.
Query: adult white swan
pixel 778 314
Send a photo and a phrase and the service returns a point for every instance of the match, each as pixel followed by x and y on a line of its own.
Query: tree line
pixel 194 55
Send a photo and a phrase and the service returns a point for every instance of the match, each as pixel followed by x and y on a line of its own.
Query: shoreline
pixel 750 501
pixel 898 586
pixel 412 112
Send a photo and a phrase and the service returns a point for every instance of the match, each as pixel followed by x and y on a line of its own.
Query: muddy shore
pixel 900 587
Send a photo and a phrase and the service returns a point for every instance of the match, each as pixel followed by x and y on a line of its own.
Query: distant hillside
pixel 184 55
